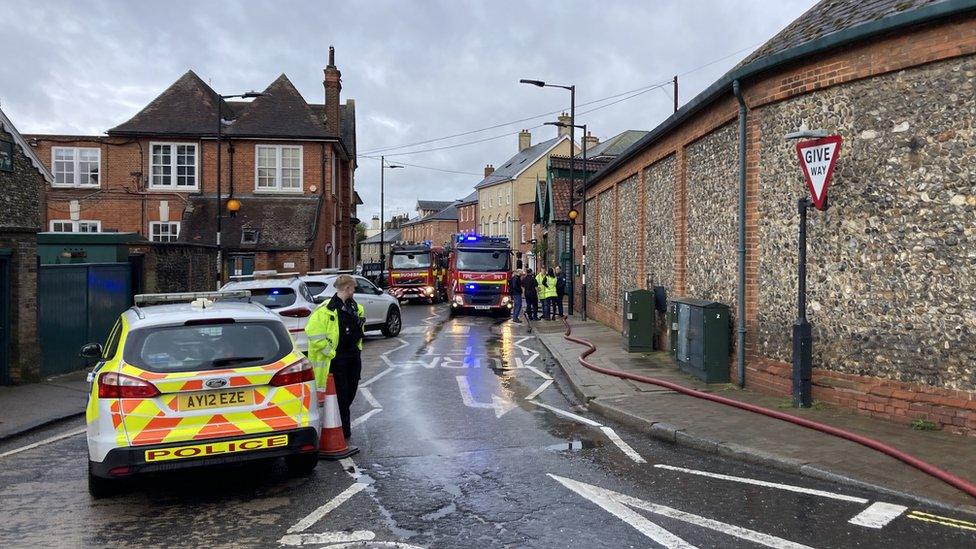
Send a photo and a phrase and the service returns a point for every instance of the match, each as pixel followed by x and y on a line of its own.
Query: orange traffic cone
pixel 332 443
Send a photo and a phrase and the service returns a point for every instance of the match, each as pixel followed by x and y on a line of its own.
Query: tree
pixel 360 236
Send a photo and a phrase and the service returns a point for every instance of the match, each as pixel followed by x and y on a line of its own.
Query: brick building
pixel 891 286
pixel 290 164
pixel 22 178
pixel 436 227
pixel 467 211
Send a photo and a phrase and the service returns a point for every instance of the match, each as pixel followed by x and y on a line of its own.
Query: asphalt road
pixel 456 454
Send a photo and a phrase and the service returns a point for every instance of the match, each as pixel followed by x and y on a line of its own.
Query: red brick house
pixel 290 163
pixel 467 210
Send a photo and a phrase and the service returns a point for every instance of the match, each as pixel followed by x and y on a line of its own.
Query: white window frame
pixel 75 225
pixel 172 185
pixel 523 233
pixel 277 189
pixel 75 168
pixel 153 224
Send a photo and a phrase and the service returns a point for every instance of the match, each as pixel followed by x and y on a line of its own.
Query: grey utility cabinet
pixel 638 321
pixel 700 338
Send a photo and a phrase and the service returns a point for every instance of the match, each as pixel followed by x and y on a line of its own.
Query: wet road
pixel 467 442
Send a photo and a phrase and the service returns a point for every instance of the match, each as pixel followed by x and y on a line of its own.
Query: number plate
pixel 482 307
pixel 215 399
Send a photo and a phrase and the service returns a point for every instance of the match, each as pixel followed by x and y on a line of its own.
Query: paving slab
pixel 24 408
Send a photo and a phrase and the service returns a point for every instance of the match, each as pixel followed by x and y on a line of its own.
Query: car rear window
pixel 316 287
pixel 227 344
pixel 274 298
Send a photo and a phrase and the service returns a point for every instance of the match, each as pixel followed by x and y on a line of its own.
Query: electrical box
pixel 700 338
pixel 638 323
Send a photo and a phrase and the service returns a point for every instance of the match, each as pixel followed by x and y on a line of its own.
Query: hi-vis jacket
pixel 547 286
pixel 323 337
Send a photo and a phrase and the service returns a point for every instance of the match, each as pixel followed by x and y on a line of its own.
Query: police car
pixel 194 379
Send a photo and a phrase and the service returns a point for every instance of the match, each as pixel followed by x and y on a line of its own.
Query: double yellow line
pixel 945 521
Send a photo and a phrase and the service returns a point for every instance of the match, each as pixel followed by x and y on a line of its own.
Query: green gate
pixel 78 304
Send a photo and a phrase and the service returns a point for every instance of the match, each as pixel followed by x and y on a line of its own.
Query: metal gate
pixel 78 304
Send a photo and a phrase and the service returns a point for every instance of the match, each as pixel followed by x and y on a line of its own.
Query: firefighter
pixel 515 291
pixel 335 344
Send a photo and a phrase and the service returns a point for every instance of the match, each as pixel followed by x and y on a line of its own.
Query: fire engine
pixel 417 271
pixel 479 270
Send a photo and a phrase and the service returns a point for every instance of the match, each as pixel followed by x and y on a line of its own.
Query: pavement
pixel 25 408
pixel 720 429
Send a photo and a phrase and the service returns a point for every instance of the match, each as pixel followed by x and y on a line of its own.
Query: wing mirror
pixel 91 351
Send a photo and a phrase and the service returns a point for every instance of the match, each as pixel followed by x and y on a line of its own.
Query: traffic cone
pixel 332 443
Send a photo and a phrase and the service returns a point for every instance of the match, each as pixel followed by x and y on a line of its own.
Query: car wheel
pixel 393 323
pixel 100 487
pixel 301 464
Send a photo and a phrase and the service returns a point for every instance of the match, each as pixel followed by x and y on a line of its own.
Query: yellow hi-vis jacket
pixel 547 286
pixel 323 337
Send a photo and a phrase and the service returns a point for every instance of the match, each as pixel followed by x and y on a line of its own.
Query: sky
pixel 418 70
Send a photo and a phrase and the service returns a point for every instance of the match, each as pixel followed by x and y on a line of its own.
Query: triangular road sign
pixel 817 158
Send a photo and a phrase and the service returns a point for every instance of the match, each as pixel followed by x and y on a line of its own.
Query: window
pixel 173 165
pixel 279 168
pixel 533 232
pixel 75 166
pixel 522 234
pixel 69 226
pixel 249 236
pixel 508 197
pixel 164 231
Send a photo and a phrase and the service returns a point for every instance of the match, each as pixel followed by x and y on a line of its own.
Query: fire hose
pixel 927 468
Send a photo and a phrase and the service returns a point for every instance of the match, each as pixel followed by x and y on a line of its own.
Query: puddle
pixel 573 446
pixel 440 513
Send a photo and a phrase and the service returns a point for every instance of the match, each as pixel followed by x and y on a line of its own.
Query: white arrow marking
pixel 500 405
pixel 364 417
pixel 878 515
pixel 327 508
pixel 570 415
pixel 327 537
pixel 624 447
pixel 616 504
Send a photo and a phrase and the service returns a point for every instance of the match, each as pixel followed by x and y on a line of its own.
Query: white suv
pixel 382 309
pixel 286 295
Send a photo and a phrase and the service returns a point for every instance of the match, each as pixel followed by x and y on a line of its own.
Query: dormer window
pixel 250 236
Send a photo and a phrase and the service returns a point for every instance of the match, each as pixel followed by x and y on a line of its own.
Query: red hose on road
pixel 927 468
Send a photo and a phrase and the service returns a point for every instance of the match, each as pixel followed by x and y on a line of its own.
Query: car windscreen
pixel 226 344
pixel 272 298
pixel 482 260
pixel 316 287
pixel 411 261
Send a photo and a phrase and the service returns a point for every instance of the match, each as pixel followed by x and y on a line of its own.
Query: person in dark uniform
pixel 529 288
pixel 347 365
pixel 560 291
pixel 515 292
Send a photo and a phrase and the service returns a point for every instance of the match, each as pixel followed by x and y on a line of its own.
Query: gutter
pixel 740 367
pixel 718 89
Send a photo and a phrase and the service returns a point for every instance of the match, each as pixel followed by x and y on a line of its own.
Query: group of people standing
pixel 547 287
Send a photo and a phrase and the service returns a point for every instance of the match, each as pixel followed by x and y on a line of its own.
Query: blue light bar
pixel 471 286
pixel 471 238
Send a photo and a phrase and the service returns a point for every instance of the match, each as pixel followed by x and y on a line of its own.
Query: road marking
pixel 944 521
pixel 616 504
pixel 539 373
pixel 543 387
pixel 500 405
pixel 327 537
pixel 325 509
pixel 373 379
pixel 407 363
pixel 364 417
pixel 570 415
pixel 878 515
pixel 764 483
pixel 55 438
pixel 368 395
pixel 615 438
pixel 531 359
pixel 392 544
pixel 622 512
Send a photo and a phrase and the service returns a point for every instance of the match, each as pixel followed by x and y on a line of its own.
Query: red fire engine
pixel 418 271
pixel 480 267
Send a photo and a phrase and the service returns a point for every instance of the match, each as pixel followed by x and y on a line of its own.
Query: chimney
pixel 591 141
pixel 375 223
pixel 489 169
pixel 564 130
pixel 525 140
pixel 333 85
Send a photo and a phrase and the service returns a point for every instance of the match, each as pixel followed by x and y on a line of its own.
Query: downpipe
pixel 925 467
pixel 740 367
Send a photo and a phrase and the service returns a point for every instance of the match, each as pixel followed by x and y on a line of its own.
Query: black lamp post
pixel 383 167
pixel 572 175
pixel 574 213
pixel 220 213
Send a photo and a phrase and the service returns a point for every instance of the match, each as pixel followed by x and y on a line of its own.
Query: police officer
pixel 335 343
pixel 515 292
pixel 560 291
pixel 529 287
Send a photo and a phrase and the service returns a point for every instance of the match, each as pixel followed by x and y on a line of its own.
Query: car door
pixel 368 296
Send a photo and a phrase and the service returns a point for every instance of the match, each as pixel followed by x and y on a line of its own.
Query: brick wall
pixel 172 267
pixel 892 293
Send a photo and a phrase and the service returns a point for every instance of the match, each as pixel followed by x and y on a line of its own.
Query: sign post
pixel 817 160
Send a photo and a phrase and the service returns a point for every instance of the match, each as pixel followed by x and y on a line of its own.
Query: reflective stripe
pixel 317 337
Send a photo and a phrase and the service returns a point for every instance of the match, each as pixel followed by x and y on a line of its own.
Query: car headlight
pixel 429 290
pixel 459 300
pixel 506 299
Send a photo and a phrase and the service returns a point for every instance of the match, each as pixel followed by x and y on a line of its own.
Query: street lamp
pixel 383 168
pixel 574 213
pixel 572 174
pixel 233 205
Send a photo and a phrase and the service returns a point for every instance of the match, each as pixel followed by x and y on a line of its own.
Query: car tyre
pixel 301 464
pixel 100 487
pixel 393 323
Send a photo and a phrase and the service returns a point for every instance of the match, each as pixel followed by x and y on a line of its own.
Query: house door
pixel 4 316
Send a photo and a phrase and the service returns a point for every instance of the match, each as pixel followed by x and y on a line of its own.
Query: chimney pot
pixel 591 141
pixel 489 169
pixel 525 140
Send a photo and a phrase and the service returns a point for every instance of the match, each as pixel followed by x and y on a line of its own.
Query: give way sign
pixel 817 158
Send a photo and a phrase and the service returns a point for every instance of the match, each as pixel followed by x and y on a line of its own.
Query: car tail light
pixel 115 385
pixel 300 312
pixel 297 372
